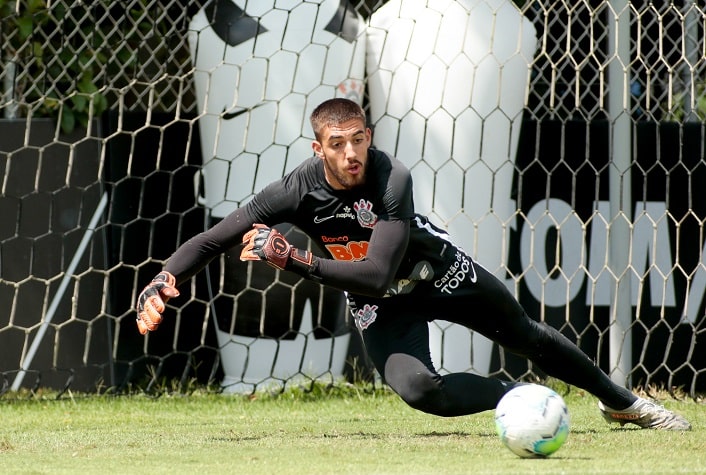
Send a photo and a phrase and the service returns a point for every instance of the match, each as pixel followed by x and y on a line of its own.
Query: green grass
pixel 341 431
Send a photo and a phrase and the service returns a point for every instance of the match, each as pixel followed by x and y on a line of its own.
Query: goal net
pixel 561 144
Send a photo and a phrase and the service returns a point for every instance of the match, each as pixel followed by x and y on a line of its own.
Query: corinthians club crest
pixel 363 211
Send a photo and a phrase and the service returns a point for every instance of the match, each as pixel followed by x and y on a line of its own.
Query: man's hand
pixel 267 244
pixel 151 302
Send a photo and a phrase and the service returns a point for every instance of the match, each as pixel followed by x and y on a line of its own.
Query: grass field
pixel 338 431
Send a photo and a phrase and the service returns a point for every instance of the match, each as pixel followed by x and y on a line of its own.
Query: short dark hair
pixel 335 111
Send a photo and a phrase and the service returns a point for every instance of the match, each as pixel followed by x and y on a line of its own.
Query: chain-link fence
pixel 611 138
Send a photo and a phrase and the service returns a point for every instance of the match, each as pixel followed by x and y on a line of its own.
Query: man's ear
pixel 317 148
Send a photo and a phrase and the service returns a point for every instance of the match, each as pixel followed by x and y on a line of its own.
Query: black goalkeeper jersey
pixel 376 245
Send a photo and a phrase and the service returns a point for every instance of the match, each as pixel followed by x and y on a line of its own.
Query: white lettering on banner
pixel 651 245
pixel 651 256
pixel 560 284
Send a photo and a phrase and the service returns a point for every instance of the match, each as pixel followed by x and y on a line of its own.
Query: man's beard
pixel 344 179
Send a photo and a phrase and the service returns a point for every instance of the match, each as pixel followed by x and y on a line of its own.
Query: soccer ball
pixel 532 421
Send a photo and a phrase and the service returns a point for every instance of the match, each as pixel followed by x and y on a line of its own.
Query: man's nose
pixel 350 150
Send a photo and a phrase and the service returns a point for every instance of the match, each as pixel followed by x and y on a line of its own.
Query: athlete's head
pixel 342 141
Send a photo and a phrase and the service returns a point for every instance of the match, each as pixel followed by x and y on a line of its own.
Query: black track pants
pixel 397 342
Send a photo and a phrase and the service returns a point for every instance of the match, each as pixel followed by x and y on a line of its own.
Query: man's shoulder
pixel 308 174
pixel 387 167
pixel 385 159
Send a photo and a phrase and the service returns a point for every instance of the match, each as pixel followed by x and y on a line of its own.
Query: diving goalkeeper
pixel 399 272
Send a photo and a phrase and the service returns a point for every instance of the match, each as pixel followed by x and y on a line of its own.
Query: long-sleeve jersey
pixel 378 246
pixel 400 272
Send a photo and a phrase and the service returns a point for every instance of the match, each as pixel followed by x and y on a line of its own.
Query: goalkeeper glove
pixel 152 300
pixel 267 244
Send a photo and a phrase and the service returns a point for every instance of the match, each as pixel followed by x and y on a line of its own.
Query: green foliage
pixel 55 65
pixel 678 111
pixel 66 53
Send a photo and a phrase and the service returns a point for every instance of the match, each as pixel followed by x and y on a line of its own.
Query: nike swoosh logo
pixel 318 220
pixel 233 115
pixel 232 24
pixel 474 277
pixel 344 22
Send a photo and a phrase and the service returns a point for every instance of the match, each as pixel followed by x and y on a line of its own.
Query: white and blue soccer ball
pixel 532 421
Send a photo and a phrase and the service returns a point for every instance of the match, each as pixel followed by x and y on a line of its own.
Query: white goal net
pixel 561 143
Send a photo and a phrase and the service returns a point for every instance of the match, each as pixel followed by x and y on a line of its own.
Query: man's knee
pixel 419 387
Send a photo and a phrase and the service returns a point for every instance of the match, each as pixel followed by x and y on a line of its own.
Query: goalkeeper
pixel 399 272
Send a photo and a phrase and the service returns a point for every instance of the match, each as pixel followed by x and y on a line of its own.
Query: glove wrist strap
pixel 165 277
pixel 300 262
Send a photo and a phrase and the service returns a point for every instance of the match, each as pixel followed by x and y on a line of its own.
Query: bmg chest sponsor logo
pixel 454 275
pixel 334 238
pixel 352 251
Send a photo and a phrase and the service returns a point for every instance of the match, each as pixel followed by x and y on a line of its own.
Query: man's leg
pixel 496 314
pixel 399 349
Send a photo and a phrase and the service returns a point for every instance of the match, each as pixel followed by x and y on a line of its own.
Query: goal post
pixel 561 144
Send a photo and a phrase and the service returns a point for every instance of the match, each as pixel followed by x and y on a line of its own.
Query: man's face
pixel 344 150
